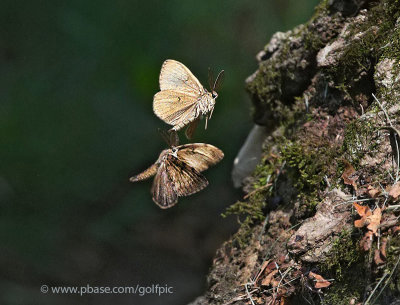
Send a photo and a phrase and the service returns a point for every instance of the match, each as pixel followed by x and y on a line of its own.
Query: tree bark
pixel 320 218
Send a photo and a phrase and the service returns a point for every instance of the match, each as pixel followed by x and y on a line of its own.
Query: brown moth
pixel 182 100
pixel 178 170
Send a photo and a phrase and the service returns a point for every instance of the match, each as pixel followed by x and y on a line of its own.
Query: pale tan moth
pixel 182 100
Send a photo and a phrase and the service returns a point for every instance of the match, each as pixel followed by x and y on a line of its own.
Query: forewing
pixel 186 179
pixel 200 156
pixel 164 194
pixel 175 107
pixel 150 172
pixel 176 76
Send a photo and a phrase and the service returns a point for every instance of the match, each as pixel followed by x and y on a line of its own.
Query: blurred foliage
pixel 76 85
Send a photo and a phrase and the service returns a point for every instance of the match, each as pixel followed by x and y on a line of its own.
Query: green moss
pixel 359 139
pixel 343 293
pixel 371 39
pixel 393 254
pixel 344 253
pixel 345 265
pixel 306 169
pixel 253 210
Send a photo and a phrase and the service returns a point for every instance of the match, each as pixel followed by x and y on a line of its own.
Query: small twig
pixel 249 295
pixel 257 190
pixel 376 287
pixel 383 109
pixel 283 276
pixel 391 127
pixel 284 284
pixel 393 207
pixel 384 286
pixel 353 200
pixel 263 228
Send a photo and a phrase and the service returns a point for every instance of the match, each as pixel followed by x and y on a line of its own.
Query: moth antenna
pixel 219 80
pixel 210 79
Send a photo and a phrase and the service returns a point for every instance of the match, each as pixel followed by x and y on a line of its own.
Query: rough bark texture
pixel 329 144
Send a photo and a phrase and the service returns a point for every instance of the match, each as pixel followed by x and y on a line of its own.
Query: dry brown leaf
pixel 320 281
pixel 371 219
pixel 366 241
pixel 383 247
pixel 364 212
pixel 394 191
pixel 374 220
pixel 373 192
pixel 281 259
pixel 377 257
pixel 263 266
pixel 349 175
pixel 267 280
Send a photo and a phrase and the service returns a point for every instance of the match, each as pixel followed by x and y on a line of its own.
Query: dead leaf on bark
pixel 370 219
pixel 366 241
pixel 373 192
pixel 320 281
pixel 261 271
pixel 377 257
pixel 349 175
pixel 374 220
pixel 383 247
pixel 267 280
pixel 394 190
pixel 364 212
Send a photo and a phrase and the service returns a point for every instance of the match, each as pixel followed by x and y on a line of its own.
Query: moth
pixel 178 170
pixel 182 100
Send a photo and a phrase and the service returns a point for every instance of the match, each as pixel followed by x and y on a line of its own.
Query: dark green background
pixel 76 85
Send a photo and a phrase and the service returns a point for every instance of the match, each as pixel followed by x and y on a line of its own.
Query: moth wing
pixel 191 128
pixel 176 108
pixel 164 194
pixel 170 137
pixel 150 172
pixel 186 179
pixel 176 76
pixel 200 156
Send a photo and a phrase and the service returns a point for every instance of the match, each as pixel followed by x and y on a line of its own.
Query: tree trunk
pixel 320 219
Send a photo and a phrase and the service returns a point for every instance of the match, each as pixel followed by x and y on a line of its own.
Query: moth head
pixel 215 85
pixel 174 150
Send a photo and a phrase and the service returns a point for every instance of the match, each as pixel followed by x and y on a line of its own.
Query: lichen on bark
pixel 313 91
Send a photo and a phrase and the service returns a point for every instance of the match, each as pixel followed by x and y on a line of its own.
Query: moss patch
pixel 345 265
